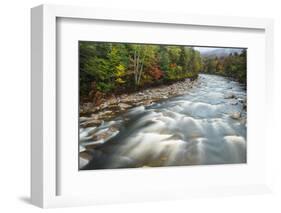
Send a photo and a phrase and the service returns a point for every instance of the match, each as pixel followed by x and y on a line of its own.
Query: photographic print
pixel 156 105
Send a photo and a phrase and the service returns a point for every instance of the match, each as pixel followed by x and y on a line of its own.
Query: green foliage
pixel 164 59
pixel 105 87
pixel 233 65
pixel 115 67
pixel 187 63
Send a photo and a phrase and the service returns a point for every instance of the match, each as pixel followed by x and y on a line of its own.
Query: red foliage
pixel 156 73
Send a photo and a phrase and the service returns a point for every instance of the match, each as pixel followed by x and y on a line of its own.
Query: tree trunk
pixel 139 77
pixel 138 67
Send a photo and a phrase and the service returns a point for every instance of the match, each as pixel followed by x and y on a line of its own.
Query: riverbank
pixel 92 115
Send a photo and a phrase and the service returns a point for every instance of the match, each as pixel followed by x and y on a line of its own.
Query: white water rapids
pixel 207 125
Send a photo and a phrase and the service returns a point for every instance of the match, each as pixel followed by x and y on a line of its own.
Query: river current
pixel 206 125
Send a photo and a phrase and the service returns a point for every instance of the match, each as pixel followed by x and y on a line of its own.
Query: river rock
pixel 107 112
pixel 83 162
pixel 241 100
pixel 83 119
pixel 105 136
pixel 82 148
pixel 123 106
pixel 104 105
pixel 93 122
pixel 94 116
pixel 97 108
pixel 229 96
pixel 233 102
pixel 235 115
pixel 147 102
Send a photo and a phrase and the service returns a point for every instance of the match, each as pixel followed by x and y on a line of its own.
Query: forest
pixel 116 68
pixel 234 66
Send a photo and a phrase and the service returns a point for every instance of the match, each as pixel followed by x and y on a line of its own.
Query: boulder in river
pixel 105 134
pixel 235 115
pixel 229 96
pixel 234 102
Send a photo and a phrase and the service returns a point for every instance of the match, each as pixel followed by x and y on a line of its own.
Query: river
pixel 206 125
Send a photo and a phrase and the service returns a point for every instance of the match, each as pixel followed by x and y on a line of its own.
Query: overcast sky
pixel 205 49
pixel 209 49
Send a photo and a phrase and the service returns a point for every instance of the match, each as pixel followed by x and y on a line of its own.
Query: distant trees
pixel 110 68
pixel 234 65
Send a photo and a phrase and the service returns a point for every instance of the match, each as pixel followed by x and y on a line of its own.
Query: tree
pixel 144 58
pixel 108 68
pixel 164 59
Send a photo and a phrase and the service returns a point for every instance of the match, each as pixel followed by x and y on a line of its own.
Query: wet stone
pixel 124 105
pixel 93 122
pixel 235 115
pixel 229 96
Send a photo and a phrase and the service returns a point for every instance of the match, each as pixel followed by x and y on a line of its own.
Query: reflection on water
pixel 207 125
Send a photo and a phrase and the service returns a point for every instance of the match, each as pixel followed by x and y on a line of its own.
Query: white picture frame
pixel 44 149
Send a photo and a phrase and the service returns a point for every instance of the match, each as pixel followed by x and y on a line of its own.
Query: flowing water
pixel 207 125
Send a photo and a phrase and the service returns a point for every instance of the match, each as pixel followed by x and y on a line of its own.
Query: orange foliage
pixel 173 65
pixel 156 73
